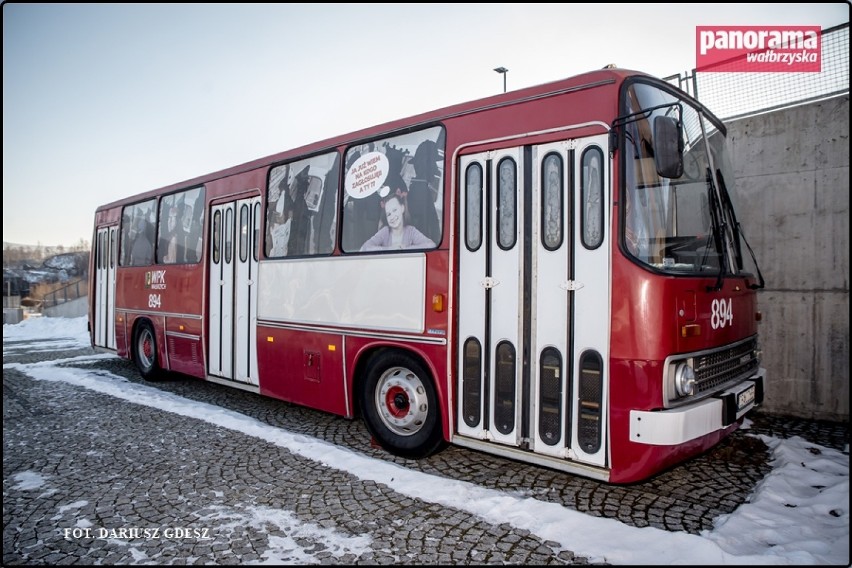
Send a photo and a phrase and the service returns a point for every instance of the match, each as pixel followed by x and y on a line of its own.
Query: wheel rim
pixel 401 401
pixel 145 349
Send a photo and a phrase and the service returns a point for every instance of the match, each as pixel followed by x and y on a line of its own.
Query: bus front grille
pixel 716 369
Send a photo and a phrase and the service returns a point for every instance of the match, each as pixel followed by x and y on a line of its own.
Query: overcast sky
pixel 797 515
pixel 103 101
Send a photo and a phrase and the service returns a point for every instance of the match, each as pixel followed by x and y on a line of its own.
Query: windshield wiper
pixel 718 231
pixel 726 199
pixel 710 238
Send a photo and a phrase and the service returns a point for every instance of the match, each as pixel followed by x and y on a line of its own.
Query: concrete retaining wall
pixel 70 309
pixel 792 169
pixel 13 315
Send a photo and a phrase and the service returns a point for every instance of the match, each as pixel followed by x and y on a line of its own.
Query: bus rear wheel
pixel 399 405
pixel 145 352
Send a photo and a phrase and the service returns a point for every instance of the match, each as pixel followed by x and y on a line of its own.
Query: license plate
pixel 746 397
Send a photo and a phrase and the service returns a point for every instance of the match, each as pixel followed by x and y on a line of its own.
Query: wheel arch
pixel 159 340
pixel 368 353
pixel 134 330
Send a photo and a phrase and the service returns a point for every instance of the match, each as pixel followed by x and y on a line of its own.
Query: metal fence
pixel 72 291
pixel 735 95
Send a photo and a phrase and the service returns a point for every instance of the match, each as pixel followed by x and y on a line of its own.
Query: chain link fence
pixel 735 95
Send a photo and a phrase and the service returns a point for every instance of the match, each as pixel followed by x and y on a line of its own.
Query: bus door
pixel 234 233
pixel 533 298
pixel 570 323
pixel 491 296
pixel 105 260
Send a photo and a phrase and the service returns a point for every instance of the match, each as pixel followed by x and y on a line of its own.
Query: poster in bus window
pixel 302 207
pixel 192 224
pixel 171 207
pixel 394 192
pixel 138 233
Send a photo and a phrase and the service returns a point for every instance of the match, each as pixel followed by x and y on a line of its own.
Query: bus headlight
pixel 684 379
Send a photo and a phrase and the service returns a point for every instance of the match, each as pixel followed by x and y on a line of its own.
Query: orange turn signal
pixel 690 330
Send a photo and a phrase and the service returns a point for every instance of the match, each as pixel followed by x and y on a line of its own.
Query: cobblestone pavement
pixel 80 466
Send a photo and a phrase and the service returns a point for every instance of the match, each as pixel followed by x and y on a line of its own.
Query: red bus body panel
pixel 321 367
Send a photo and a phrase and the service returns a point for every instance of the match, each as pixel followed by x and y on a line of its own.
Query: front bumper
pixel 685 423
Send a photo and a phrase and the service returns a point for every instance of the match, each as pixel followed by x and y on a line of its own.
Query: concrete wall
pixel 13 315
pixel 70 309
pixel 792 170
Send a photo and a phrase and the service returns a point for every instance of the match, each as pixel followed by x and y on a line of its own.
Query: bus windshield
pixel 683 224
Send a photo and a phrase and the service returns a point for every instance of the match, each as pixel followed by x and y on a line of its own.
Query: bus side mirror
pixel 668 147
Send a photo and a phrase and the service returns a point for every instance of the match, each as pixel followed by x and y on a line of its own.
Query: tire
pixel 400 407
pixel 145 352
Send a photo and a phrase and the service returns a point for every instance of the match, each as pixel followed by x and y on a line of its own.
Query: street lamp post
pixel 502 71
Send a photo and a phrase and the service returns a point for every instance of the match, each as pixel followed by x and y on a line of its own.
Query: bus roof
pixel 607 75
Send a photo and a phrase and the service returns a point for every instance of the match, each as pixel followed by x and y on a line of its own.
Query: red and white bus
pixel 555 275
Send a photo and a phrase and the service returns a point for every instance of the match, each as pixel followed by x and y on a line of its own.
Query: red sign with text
pixel 758 49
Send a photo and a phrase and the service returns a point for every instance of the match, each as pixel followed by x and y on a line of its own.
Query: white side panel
pixel 214 305
pixel 101 288
pixel 507 269
pixel 550 308
pixel 245 292
pixel 490 303
pixel 471 296
pixel 227 284
pixel 591 302
pixel 110 303
pixel 382 292
pixel 105 259
pixel 221 287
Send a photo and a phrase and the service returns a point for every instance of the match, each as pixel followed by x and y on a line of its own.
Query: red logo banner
pixel 758 49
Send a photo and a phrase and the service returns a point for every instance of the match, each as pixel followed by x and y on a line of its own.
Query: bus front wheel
pixel 145 352
pixel 399 405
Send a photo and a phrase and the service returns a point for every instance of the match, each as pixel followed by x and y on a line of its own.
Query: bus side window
pixel 473 206
pixel 506 200
pixel 229 233
pixel 126 242
pixel 552 201
pixel 217 236
pixel 255 238
pixel 244 233
pixel 591 189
